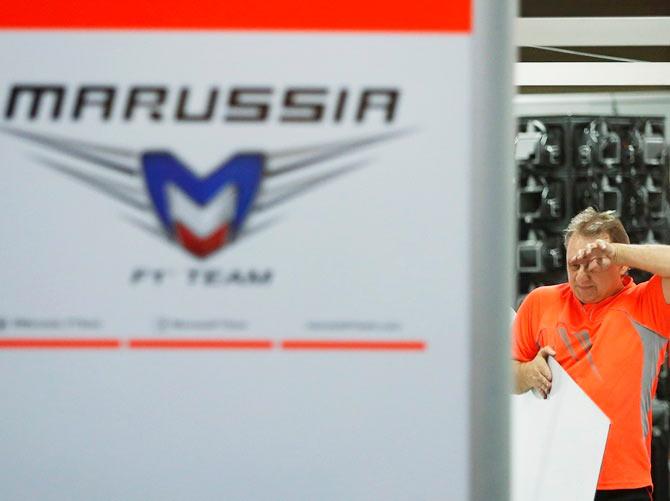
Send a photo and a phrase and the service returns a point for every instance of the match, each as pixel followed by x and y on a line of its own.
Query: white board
pixel 557 443
pixel 324 351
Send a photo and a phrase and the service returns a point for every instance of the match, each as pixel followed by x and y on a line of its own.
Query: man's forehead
pixel 578 241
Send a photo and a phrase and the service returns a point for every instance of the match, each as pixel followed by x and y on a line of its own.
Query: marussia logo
pixel 201 214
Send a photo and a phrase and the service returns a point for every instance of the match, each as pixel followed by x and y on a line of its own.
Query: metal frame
pixel 592 31
pixel 491 249
pixel 629 74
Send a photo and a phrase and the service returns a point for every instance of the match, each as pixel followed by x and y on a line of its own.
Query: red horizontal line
pixel 345 15
pixel 305 344
pixel 200 344
pixel 59 343
pixel 234 30
pixel 209 344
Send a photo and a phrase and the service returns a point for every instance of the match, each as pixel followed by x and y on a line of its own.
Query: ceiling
pixel 607 50
pixel 589 8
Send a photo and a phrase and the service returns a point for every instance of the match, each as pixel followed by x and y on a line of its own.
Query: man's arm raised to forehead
pixel 654 259
pixel 651 258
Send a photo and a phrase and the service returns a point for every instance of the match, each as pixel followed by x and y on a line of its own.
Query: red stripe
pixel 304 344
pixel 57 344
pixel 200 344
pixel 210 344
pixel 343 15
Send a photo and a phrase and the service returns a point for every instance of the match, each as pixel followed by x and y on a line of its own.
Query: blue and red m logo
pixel 202 214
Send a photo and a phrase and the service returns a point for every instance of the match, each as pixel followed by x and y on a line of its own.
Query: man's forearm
pixel 651 258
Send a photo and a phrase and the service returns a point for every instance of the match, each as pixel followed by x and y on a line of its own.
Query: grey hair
pixel 591 223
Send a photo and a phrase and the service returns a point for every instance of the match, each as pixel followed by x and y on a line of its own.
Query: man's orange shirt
pixel 613 350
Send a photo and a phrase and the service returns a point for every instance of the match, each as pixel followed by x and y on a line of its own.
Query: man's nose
pixel 582 276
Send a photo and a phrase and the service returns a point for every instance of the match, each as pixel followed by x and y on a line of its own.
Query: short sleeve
pixel 524 337
pixel 653 310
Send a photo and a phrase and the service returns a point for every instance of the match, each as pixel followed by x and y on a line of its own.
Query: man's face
pixel 589 286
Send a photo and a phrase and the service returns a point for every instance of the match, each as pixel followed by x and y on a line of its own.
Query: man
pixel 609 334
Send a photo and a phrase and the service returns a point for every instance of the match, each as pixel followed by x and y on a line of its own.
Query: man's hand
pixel 534 374
pixel 653 258
pixel 596 256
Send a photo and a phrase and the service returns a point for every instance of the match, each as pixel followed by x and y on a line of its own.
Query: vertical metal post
pixel 492 220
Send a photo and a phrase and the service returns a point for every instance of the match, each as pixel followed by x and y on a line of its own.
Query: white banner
pixel 232 265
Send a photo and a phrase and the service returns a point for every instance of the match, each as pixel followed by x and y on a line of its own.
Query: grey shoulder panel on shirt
pixel 652 345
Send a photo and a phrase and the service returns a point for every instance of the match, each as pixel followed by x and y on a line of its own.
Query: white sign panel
pixel 227 258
